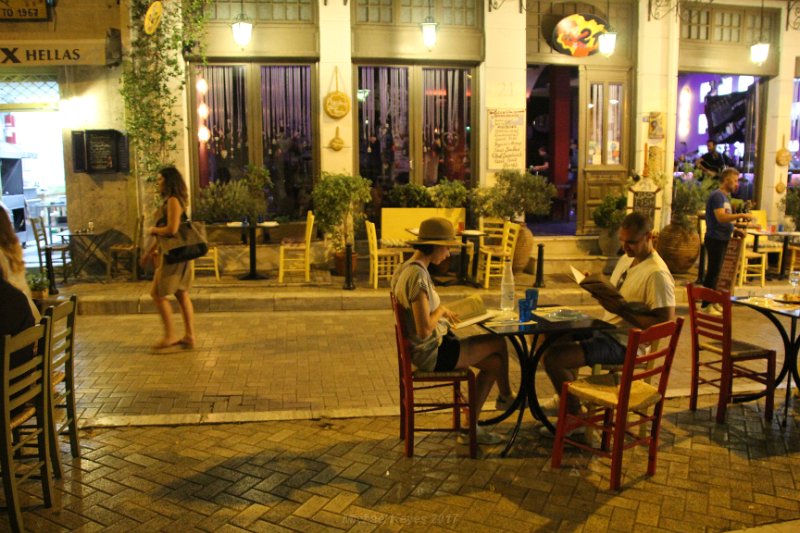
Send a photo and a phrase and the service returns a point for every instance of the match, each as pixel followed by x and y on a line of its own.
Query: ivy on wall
pixel 153 78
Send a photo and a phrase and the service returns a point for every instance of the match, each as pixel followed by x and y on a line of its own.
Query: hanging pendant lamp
pixel 429 28
pixel 242 27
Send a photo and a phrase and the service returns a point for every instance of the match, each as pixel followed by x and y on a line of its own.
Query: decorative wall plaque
pixel 336 103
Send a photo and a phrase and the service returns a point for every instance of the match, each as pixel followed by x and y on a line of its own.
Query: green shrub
pixel 408 195
pixel 609 214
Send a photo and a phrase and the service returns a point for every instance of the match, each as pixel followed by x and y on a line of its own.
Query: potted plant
pixel 679 242
pixel 339 201
pixel 448 194
pixel 38 284
pixel 408 195
pixel 516 193
pixel 791 209
pixel 608 217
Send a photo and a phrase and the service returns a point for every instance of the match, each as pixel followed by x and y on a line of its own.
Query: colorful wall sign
pixel 576 35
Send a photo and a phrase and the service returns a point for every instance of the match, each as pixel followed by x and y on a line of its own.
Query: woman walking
pixel 172 278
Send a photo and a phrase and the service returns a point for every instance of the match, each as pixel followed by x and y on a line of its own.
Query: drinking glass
pixel 794 279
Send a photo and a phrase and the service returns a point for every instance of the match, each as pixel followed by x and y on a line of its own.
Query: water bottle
pixel 507 287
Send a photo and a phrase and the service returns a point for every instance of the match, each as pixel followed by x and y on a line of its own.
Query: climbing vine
pixel 153 77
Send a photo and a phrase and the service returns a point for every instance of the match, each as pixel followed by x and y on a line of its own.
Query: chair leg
pixel 770 403
pixel 108 265
pixel 724 394
pixel 10 485
pixel 695 383
pixel 72 415
pixel 456 408
pixel 561 428
pixel 44 426
pixel 608 417
pixel 409 427
pixel 308 266
pixel 618 447
pixel 473 419
pixel 55 452
pixel 280 265
pixel 655 431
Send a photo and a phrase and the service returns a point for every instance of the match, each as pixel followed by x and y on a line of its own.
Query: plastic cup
pixel 532 296
pixel 524 310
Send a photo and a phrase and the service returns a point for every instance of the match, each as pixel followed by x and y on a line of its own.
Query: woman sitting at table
pixel 11 263
pixel 433 345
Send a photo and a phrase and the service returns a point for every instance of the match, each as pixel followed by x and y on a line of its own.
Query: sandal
pixel 164 344
pixel 186 343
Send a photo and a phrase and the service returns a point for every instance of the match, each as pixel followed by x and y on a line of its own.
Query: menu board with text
pixel 506 139
pixel 730 266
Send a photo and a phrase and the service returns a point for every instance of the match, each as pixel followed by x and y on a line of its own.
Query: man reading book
pixel 646 297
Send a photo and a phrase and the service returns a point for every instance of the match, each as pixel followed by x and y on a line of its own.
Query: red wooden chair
pixel 412 381
pixel 711 334
pixel 613 397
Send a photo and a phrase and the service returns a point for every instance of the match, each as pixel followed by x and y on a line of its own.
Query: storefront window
pixel 446 125
pixel 595 118
pixel 286 136
pixel 222 130
pixel 615 102
pixel 383 124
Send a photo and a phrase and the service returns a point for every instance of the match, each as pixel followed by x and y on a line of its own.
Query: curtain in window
pixel 446 125
pixel 287 135
pixel 224 155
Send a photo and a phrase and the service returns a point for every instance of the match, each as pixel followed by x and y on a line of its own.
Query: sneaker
pixel 550 407
pixel 577 432
pixel 504 403
pixel 484 437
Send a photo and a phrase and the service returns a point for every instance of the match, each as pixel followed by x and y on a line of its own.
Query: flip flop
pixel 186 344
pixel 162 345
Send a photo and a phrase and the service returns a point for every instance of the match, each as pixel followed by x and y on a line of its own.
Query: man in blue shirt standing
pixel 719 224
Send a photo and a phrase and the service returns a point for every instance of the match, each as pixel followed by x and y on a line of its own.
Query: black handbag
pixel 188 243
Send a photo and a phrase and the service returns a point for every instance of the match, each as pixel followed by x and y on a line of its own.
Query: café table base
pixel 253 276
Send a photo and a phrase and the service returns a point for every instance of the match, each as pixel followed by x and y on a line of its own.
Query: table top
pixel 269 224
pixel 78 233
pixel 548 320
pixel 774 303
pixel 762 233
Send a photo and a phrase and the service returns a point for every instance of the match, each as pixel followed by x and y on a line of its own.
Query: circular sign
pixel 152 19
pixel 576 35
pixel 337 104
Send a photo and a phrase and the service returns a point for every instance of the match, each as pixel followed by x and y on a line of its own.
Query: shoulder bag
pixel 188 243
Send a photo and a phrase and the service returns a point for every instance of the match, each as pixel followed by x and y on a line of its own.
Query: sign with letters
pixel 42 53
pixel 21 10
pixel 506 139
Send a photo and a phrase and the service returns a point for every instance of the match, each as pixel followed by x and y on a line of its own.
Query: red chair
pixel 410 381
pixel 711 333
pixel 612 398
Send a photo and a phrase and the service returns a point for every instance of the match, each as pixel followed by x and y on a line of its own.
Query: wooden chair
pixel 493 256
pixel 413 381
pixel 711 334
pixel 765 245
pixel 296 256
pixel 40 235
pixel 127 252
pixel 208 262
pixel 62 372
pixel 382 261
pixel 24 383
pixel 752 265
pixel 615 397
pixel 493 228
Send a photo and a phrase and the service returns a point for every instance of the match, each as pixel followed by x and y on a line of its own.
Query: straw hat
pixel 438 231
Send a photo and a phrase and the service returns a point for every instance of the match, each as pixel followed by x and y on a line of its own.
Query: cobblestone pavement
pixel 321 452
pixel 350 475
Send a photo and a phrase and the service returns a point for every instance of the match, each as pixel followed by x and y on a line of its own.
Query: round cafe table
pixel 253 274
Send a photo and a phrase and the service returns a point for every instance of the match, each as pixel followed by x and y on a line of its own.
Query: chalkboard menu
pixel 645 203
pixel 730 266
pixel 99 151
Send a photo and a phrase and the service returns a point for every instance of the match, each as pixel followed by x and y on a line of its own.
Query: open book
pixel 601 288
pixel 470 310
pixel 595 284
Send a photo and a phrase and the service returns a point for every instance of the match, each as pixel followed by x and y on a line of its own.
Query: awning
pixel 106 51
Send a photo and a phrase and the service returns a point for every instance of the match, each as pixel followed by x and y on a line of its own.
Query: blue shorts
pixel 447 357
pixel 601 349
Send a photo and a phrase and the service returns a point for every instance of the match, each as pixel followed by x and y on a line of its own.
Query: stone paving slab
pixel 350 475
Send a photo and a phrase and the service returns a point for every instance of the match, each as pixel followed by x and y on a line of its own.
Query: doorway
pixel 31 154
pixel 551 143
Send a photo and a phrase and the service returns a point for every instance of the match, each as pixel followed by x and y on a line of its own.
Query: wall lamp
pixel 429 28
pixel 242 27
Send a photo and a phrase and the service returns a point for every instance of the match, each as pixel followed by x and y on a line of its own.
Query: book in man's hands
pixel 470 310
pixel 600 288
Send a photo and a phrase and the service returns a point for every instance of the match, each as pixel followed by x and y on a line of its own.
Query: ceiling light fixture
pixel 429 27
pixel 759 52
pixel 242 27
pixel 607 41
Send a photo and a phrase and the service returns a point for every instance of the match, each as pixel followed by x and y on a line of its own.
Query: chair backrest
pixel 62 334
pixel 39 233
pixel 493 228
pixel 24 371
pixel 372 238
pixel 309 228
pixel 510 234
pixel 401 336
pixel 652 363
pixel 706 326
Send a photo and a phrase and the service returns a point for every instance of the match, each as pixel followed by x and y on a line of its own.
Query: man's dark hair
pixel 712 141
pixel 727 172
pixel 637 222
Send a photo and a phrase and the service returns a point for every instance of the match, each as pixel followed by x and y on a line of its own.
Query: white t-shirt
pixel 648 282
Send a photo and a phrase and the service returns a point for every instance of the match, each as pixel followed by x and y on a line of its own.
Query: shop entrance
pixel 31 154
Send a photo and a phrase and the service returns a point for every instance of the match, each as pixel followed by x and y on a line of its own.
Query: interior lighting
pixel 242 27
pixel 202 111
pixel 203 134
pixel 202 86
pixel 429 27
pixel 607 41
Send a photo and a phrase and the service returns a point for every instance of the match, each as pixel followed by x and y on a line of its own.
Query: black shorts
pixel 447 357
